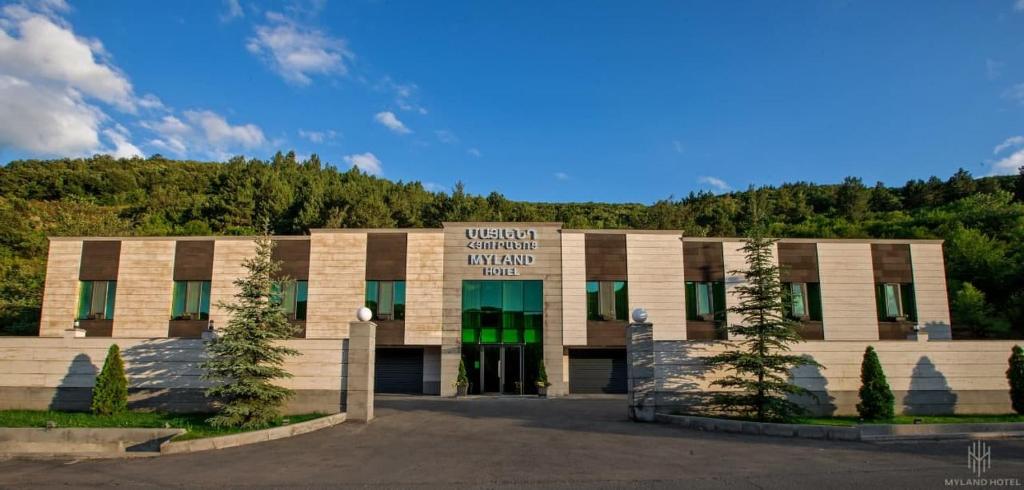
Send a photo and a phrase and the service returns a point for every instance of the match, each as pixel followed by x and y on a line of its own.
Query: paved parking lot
pixel 497 442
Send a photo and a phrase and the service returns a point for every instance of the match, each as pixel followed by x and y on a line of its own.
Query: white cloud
pixel 561 176
pixel 53 83
pixel 678 146
pixel 47 121
pixel 391 122
pixel 123 148
pixel 297 52
pixel 1019 6
pixel 1009 165
pixel 1010 142
pixel 317 136
pixel 404 94
pixel 366 162
pixel 473 152
pixel 50 53
pixel 434 187
pixel 232 10
pixel 203 132
pixel 716 183
pixel 446 136
pixel 220 134
pixel 1015 92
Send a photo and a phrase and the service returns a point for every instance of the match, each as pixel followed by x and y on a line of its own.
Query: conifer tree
pixel 245 358
pixel 1015 374
pixel 876 399
pixel 758 365
pixel 110 394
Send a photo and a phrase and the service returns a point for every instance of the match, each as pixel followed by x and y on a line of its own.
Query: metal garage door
pixel 399 371
pixel 597 371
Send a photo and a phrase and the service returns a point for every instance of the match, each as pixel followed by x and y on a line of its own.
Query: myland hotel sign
pixel 507 246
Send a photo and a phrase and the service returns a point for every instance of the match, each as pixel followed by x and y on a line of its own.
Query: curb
pixel 253 437
pixel 862 433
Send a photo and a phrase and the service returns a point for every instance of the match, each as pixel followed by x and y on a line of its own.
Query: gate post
pixel 362 344
pixel 640 366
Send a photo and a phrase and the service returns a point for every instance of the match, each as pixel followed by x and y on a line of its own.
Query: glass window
pixel 293 299
pixel 96 300
pixel 804 300
pixel 705 301
pixel 892 301
pixel 191 300
pixel 386 299
pixel 508 312
pixel 607 301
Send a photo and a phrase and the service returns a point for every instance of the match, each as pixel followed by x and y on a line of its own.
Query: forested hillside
pixel 982 220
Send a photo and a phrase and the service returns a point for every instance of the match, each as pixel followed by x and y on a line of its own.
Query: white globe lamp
pixel 364 314
pixel 639 315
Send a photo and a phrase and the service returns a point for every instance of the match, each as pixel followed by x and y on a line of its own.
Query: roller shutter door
pixel 597 371
pixel 399 371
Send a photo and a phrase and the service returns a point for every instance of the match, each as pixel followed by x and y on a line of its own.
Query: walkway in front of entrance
pixel 426 442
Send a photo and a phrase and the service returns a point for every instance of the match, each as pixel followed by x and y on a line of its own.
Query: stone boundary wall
pixel 38 373
pixel 936 377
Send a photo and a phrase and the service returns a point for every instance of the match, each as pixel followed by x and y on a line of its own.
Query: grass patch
pixel 194 423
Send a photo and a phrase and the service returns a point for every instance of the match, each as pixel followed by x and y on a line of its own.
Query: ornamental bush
pixel 1015 374
pixel 876 399
pixel 462 379
pixel 110 394
pixel 542 375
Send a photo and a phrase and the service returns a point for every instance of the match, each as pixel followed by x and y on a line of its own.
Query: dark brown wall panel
pixel 294 258
pixel 798 262
pixel 385 256
pixel 891 262
pixel 193 260
pixel 703 261
pixel 100 260
pixel 390 332
pixel 606 334
pixel 605 256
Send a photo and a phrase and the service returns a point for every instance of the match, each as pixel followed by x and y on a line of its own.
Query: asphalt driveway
pixel 498 442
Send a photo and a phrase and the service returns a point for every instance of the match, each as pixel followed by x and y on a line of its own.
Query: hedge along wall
pixel 58 373
pixel 926 377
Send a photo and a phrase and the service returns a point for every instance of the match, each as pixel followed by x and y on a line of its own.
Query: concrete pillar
pixel 640 371
pixel 362 345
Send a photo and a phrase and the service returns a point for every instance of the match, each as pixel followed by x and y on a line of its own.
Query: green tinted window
pixel 96 300
pixel 508 312
pixel 190 300
pixel 386 299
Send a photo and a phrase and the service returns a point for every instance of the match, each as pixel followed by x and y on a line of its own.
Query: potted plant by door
pixel 462 381
pixel 542 380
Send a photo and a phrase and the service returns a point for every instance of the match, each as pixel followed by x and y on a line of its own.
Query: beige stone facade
pixel 437 261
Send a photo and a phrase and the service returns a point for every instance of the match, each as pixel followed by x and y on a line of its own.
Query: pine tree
pixel 758 384
pixel 876 399
pixel 110 394
pixel 245 359
pixel 1015 374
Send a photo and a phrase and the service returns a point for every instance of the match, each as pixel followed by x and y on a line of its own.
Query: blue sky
pixel 549 101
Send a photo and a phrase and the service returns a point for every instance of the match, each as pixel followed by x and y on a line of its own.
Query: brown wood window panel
pixel 100 260
pixel 385 256
pixel 700 330
pixel 193 260
pixel 294 258
pixel 703 262
pixel 891 263
pixel 606 334
pixel 390 332
pixel 605 255
pixel 97 328
pixel 798 262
